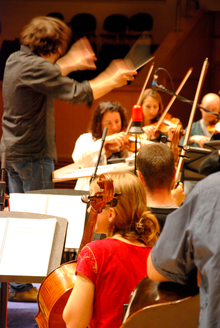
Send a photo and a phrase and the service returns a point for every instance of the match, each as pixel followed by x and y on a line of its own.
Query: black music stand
pixel 191 165
pixel 213 145
pixel 55 258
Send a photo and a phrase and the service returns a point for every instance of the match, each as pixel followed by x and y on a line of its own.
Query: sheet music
pixel 66 206
pixel 74 210
pixel 25 246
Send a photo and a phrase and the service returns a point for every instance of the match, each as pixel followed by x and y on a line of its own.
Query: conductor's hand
pixel 120 73
pixel 80 57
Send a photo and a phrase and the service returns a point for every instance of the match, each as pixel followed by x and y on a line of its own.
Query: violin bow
pixel 141 94
pixel 174 97
pixel 191 118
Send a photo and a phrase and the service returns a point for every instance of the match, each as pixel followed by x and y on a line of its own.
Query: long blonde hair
pixel 133 221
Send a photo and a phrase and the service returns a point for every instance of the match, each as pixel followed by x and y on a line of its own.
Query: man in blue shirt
pixel 190 241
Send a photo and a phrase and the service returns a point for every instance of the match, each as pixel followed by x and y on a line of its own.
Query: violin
pixel 167 122
pixel 56 288
pixel 163 126
pixel 214 128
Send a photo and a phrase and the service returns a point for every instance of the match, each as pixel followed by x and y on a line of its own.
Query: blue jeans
pixel 19 287
pixel 25 176
pixel 30 175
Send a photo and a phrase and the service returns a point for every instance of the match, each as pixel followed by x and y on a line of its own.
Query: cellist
pixel 109 269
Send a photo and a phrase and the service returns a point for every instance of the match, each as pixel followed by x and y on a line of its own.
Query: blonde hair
pixel 133 221
pixel 44 35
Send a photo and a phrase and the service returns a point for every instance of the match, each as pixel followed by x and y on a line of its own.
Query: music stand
pixel 55 258
pixel 213 145
pixel 191 165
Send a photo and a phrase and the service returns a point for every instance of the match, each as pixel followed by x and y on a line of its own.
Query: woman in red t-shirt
pixel 109 269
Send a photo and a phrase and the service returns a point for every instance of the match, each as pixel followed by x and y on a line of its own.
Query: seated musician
pixel 156 169
pixel 109 269
pixel 199 133
pixel 153 108
pixel 107 114
pixel 190 241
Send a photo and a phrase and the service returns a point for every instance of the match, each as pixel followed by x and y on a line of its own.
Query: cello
pixel 165 304
pixel 57 286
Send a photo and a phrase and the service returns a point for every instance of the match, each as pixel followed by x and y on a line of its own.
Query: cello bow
pixel 191 118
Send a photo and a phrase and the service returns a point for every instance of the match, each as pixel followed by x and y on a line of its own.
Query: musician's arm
pixel 153 274
pixel 79 308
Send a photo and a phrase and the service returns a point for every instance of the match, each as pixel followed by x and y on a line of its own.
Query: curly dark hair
pixel 95 126
pixel 45 35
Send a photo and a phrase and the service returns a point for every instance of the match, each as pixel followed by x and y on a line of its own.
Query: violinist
pixel 200 134
pixel 108 270
pixel 107 114
pixel 153 108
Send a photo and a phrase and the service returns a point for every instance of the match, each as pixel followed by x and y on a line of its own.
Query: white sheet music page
pixel 74 210
pixel 31 203
pixel 25 246
pixel 66 206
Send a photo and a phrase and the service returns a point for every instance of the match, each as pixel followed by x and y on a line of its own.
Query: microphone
pixel 154 83
pixel 100 152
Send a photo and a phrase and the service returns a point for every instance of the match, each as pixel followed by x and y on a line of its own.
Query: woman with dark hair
pixel 107 114
pixel 108 270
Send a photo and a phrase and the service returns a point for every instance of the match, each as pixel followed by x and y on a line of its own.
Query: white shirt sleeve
pixel 86 151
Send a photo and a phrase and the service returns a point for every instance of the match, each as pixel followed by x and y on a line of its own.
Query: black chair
pixel 84 24
pixel 56 15
pixel 114 44
pixel 115 28
pixel 140 24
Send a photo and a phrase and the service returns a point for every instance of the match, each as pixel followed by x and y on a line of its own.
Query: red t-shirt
pixel 115 268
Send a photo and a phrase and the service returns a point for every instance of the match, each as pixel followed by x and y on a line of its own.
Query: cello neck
pixel 89 229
